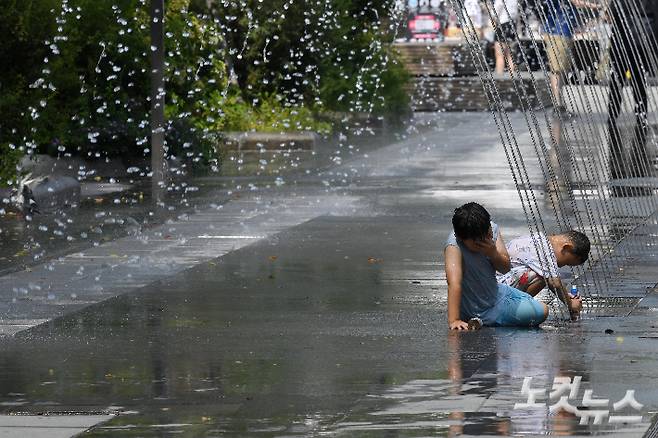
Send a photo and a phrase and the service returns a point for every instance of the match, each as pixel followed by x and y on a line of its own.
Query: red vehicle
pixel 426 26
pixel 426 19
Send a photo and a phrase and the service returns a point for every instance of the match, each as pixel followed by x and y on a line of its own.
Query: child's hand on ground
pixel 458 325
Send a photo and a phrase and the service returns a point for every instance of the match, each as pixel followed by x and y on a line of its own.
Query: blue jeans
pixel 514 308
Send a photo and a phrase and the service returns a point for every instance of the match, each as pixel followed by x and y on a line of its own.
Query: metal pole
pixel 157 100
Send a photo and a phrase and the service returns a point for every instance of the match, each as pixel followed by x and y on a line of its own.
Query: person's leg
pixel 639 160
pixel 509 59
pixel 556 87
pixel 517 308
pixel 536 285
pixel 500 57
pixel 557 50
pixel 528 312
pixel 504 36
pixel 615 99
pixel 527 281
pixel 510 40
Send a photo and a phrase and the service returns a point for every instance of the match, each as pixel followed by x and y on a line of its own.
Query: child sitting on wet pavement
pixel 473 253
pixel 536 260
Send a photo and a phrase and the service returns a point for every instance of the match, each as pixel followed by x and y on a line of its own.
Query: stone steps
pixel 436 59
pixel 467 93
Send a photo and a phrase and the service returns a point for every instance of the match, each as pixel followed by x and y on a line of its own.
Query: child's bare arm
pixel 453 258
pixel 503 263
pixel 497 253
pixel 574 305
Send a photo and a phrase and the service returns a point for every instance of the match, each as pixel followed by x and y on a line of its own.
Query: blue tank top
pixel 561 17
pixel 479 285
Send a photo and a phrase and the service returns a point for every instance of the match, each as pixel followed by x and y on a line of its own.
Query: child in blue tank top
pixel 473 253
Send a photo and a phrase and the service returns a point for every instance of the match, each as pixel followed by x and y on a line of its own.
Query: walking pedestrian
pixel 504 22
pixel 560 19
pixel 473 12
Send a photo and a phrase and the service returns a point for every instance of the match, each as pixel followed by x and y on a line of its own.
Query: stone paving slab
pixel 40 426
pixel 76 280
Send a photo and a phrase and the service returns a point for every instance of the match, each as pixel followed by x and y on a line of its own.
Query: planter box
pixel 269 141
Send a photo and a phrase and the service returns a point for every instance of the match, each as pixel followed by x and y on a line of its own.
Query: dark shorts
pixel 505 32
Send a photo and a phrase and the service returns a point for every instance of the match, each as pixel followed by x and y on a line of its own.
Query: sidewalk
pixel 315 308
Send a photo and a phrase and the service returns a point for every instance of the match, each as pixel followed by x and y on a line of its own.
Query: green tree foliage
pixel 21 52
pixel 325 54
pixel 75 78
pixel 78 80
pixel 101 76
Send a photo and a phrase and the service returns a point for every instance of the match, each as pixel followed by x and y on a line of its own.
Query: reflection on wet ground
pixel 482 390
pixel 98 219
pixel 337 327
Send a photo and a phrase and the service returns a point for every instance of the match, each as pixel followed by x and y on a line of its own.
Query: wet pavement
pixel 119 204
pixel 324 315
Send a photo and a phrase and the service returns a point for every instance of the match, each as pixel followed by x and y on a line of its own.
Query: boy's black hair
pixel 471 221
pixel 580 242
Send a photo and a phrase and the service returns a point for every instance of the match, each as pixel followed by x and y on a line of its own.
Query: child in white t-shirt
pixel 536 261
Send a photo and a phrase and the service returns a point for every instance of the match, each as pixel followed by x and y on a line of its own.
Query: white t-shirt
pixel 506 10
pixel 524 255
pixel 473 11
